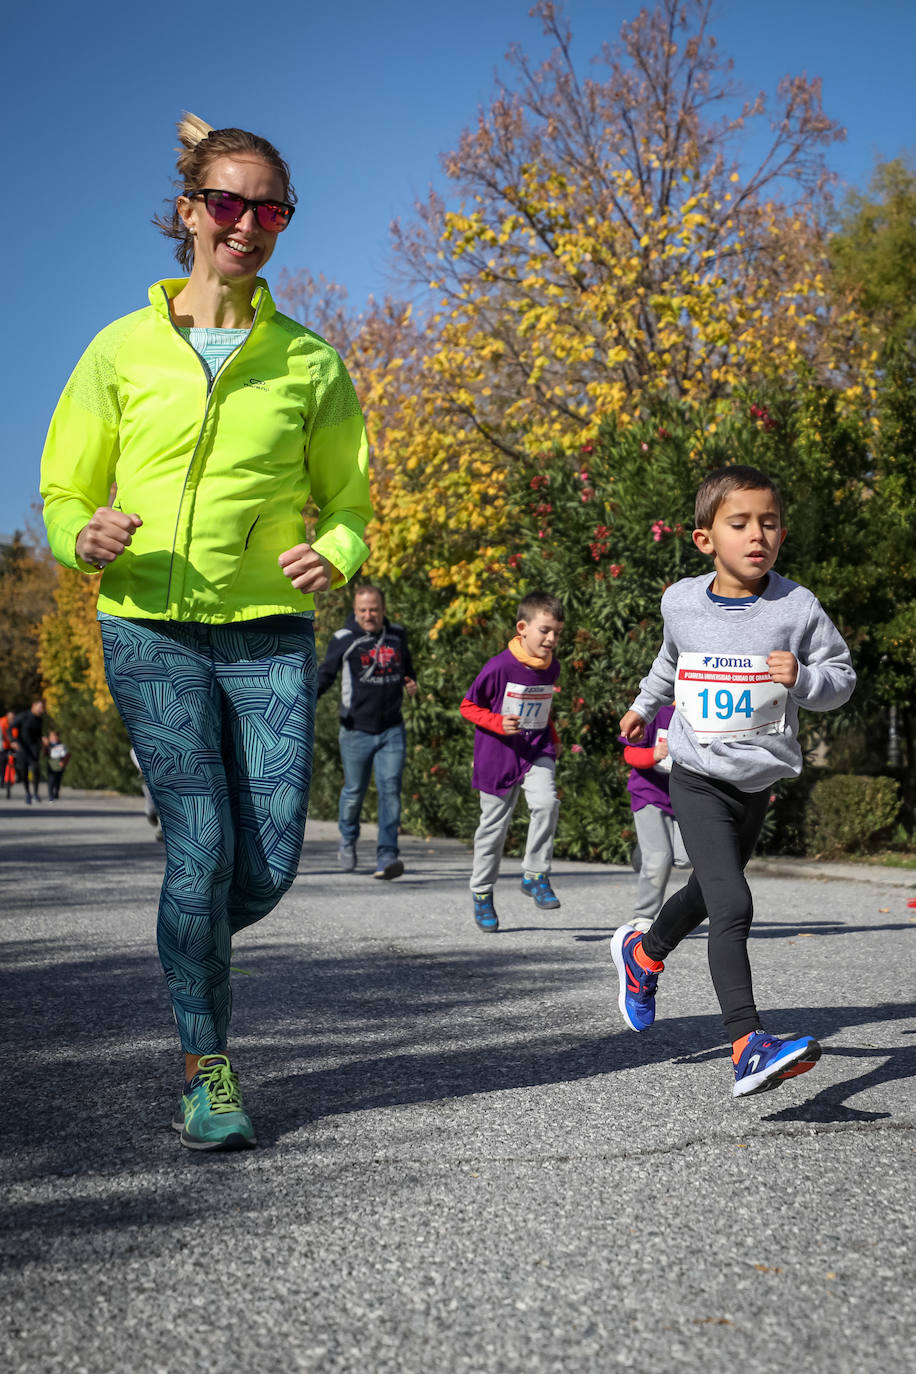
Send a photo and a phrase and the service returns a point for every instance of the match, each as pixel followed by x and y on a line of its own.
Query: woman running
pixel 179 461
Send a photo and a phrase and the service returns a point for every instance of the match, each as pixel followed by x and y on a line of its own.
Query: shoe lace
pixel 222 1086
pixel 648 985
pixel 645 977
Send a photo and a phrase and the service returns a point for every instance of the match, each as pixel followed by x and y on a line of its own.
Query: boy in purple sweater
pixel 658 836
pixel 515 750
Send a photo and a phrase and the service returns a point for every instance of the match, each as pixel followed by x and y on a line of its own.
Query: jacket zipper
pixel 211 383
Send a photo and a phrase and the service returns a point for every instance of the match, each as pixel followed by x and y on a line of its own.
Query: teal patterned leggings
pixel 222 720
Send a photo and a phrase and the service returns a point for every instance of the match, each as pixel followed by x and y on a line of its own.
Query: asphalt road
pixel 467 1162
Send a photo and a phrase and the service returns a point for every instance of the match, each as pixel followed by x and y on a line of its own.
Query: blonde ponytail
pixel 192 130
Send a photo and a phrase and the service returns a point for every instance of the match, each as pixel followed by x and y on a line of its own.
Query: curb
pixel 836 872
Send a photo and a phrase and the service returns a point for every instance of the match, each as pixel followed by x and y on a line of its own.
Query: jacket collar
pixel 517 650
pixel 161 292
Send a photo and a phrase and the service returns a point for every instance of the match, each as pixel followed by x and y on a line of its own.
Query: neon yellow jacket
pixel 218 473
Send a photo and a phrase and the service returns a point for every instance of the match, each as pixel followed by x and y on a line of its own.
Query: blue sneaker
pixel 212 1116
pixel 637 985
pixel 766 1061
pixel 485 912
pixel 538 887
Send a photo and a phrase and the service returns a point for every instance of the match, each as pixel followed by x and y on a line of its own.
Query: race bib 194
pixel 530 703
pixel 729 696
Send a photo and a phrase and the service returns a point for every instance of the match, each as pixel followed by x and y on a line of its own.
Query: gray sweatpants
pixel 662 848
pixel 495 815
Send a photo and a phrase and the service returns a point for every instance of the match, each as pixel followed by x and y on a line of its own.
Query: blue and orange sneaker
pixel 637 984
pixel 485 912
pixel 537 885
pixel 766 1061
pixel 212 1116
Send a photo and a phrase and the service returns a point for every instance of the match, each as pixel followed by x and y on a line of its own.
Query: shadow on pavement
pixel 94 1040
pixel 898 1062
pixel 773 930
pixel 829 1104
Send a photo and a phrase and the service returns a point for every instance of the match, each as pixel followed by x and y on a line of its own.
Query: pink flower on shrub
pixel 644 447
pixel 541 534
pixel 575 749
pixel 660 528
pixel 514 559
pixel 615 570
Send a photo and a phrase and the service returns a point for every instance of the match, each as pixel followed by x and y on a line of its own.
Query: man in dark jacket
pixel 375 667
pixel 29 742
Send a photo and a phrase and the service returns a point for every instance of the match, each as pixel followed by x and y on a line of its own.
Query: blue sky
pixel 360 96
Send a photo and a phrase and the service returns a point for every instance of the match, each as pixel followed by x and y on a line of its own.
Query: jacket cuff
pixel 344 550
pixel 62 539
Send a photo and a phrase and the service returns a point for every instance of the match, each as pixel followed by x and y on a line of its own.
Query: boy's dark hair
pixel 722 482
pixel 535 602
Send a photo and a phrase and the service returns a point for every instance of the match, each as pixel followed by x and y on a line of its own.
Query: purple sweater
pixel 649 786
pixel 501 761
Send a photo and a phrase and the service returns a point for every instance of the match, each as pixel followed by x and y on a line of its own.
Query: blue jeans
pixel 360 753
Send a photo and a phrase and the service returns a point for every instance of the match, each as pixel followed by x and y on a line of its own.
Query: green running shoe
pixel 212 1115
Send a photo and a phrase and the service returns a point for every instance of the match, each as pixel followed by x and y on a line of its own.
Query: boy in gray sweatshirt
pixel 743 649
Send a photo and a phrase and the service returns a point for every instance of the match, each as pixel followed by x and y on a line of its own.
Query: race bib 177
pixel 530 703
pixel 729 696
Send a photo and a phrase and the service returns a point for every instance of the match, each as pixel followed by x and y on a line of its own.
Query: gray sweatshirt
pixel 785 617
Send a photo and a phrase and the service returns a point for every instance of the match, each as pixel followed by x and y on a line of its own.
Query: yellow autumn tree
pixel 70 647
pixel 605 245
pixel 27 579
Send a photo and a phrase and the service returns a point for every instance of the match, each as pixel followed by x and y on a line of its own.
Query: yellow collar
pixel 515 647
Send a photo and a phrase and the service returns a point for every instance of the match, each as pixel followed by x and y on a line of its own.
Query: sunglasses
pixel 225 207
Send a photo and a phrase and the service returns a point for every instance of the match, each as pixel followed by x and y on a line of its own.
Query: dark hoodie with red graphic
pixel 372 667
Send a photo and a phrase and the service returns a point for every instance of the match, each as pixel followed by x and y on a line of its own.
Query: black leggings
pixel 720 826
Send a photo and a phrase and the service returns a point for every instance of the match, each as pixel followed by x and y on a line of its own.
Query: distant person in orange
pixel 7 752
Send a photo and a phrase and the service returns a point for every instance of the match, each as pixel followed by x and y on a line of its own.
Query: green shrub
pixel 99 746
pixel 849 814
pixel 606 528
